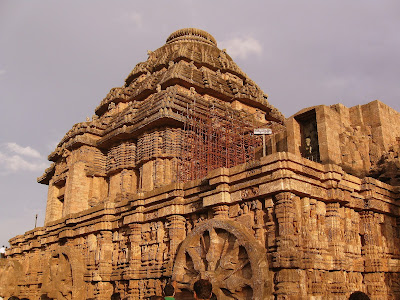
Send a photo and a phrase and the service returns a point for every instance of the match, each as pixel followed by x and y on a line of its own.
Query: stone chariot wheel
pixel 63 276
pixel 227 254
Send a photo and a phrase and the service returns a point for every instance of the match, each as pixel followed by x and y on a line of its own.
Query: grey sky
pixel 59 59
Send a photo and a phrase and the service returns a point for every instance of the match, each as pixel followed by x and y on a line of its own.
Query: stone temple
pixel 168 181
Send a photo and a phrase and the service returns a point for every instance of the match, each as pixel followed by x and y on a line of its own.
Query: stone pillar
pixel 335 234
pixel 371 248
pixel 90 255
pixel 270 224
pixel 376 286
pixel 259 222
pixel 177 233
pixel 374 264
pixel 135 255
pixel 316 283
pixel 288 284
pixel 104 290
pixel 284 210
pixel 134 291
pixel 105 259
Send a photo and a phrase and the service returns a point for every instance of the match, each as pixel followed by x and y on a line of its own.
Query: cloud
pixel 242 47
pixel 137 19
pixel 26 151
pixel 132 17
pixel 15 158
pixel 2 74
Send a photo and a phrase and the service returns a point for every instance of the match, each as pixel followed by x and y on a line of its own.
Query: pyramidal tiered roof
pixel 188 69
pixel 192 58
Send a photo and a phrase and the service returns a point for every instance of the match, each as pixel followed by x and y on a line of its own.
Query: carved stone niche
pixel 226 253
pixel 63 276
pixel 309 135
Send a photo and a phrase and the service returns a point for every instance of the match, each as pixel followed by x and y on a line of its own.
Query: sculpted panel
pixel 10 275
pixel 63 276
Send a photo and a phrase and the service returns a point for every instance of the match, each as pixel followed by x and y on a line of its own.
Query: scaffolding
pixel 213 137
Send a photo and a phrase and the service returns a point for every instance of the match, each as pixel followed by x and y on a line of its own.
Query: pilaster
pixel 335 234
pixel 135 254
pixel 284 211
pixel 105 262
pixel 177 233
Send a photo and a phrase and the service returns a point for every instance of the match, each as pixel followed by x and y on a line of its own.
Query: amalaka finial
pixel 192 34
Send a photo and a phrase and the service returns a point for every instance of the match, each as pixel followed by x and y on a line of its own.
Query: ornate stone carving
pixel 63 275
pixel 284 210
pixel 176 233
pixel 227 254
pixel 11 274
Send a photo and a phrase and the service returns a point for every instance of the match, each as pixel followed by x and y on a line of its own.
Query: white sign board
pixel 263 131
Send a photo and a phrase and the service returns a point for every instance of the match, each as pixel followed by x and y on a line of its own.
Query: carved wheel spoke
pixel 219 253
pixel 237 269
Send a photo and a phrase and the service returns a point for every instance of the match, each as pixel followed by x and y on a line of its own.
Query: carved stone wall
pixel 363 140
pixel 267 230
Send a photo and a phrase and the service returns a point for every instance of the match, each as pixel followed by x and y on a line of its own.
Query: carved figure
pixel 308 146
